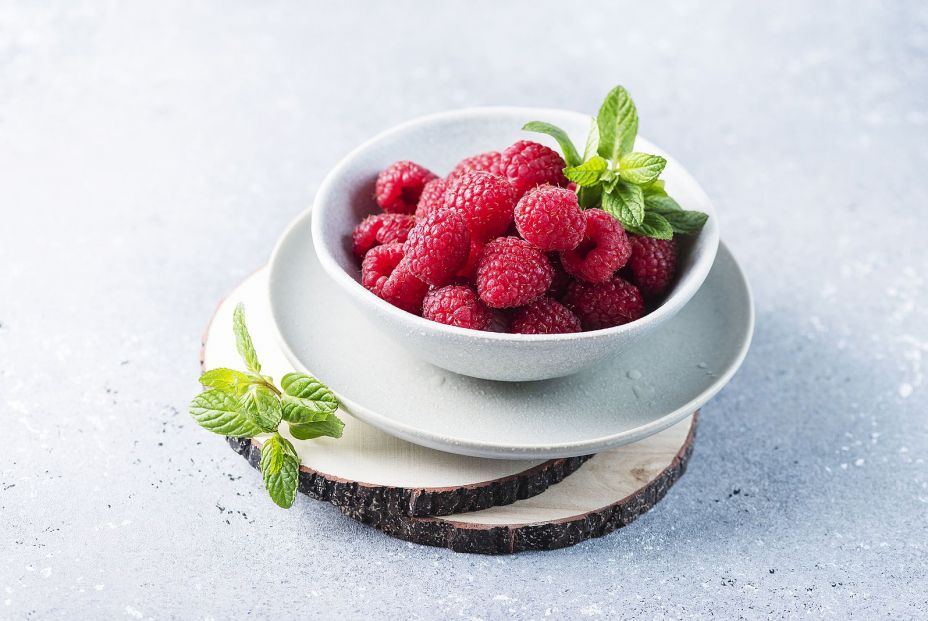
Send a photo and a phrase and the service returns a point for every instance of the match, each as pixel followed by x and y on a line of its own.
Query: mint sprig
pixel 625 183
pixel 246 404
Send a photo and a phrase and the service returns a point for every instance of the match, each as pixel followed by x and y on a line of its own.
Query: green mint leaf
pixel 306 386
pixel 246 348
pixel 280 468
pixel 571 157
pixel 588 173
pixel 592 141
pixel 653 225
pixel 625 203
pixel 220 413
pixel 589 197
pixel 262 406
pixel 655 188
pixel 680 221
pixel 617 122
pixel 228 380
pixel 296 410
pixel 641 168
pixel 331 426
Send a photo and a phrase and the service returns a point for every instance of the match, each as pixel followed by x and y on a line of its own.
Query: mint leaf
pixel 617 122
pixel 592 141
pixel 331 426
pixel 228 380
pixel 306 386
pixel 641 168
pixel 220 413
pixel 589 197
pixel 680 221
pixel 588 173
pixel 625 203
pixel 262 406
pixel 280 468
pixel 655 188
pixel 296 410
pixel 246 348
pixel 653 225
pixel 571 157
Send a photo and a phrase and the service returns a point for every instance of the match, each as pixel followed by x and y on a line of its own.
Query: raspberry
pixel 437 247
pixel 469 269
pixel 545 316
pixel 385 274
pixel 432 198
pixel 550 218
pixel 511 272
pixel 488 162
pixel 604 305
pixel 485 200
pixel 399 186
pixel 604 248
pixel 527 164
pixel 457 305
pixel 653 264
pixel 561 278
pixel 382 228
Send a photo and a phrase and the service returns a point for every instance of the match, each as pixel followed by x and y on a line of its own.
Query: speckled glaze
pixel 438 142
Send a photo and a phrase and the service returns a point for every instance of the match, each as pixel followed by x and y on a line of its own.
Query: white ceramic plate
pixel 675 370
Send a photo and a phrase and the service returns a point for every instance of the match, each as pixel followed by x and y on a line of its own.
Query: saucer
pixel 657 382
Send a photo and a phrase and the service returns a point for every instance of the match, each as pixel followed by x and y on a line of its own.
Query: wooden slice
pixel 368 474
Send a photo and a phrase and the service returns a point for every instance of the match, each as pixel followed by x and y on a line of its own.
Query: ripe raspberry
pixel 382 228
pixel 545 316
pixel 604 248
pixel 469 269
pixel 604 305
pixel 432 198
pixel 457 305
pixel 399 186
pixel 511 272
pixel 550 218
pixel 488 162
pixel 385 274
pixel 437 247
pixel 653 264
pixel 527 164
pixel 485 200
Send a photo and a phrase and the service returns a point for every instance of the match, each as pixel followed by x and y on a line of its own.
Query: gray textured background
pixel 149 157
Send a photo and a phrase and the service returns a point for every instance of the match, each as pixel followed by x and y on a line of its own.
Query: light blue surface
pixel 149 157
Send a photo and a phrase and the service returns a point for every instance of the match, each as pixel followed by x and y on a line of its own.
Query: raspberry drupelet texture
pixel 511 272
pixel 432 198
pixel 399 187
pixel 437 247
pixel 604 305
pixel 488 162
pixel 382 228
pixel 549 218
pixel 384 273
pixel 527 164
pixel 603 250
pixel 486 202
pixel 545 316
pixel 457 305
pixel 653 264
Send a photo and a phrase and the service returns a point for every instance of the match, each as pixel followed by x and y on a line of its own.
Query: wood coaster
pixel 366 472
pixel 466 504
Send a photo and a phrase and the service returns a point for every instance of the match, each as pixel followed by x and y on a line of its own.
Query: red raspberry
pixel 511 272
pixel 604 248
pixel 432 198
pixel 485 200
pixel 604 305
pixel 381 228
pixel 653 264
pixel 469 269
pixel 399 186
pixel 550 218
pixel 457 305
pixel 545 316
pixel 527 164
pixel 488 162
pixel 437 247
pixel 386 275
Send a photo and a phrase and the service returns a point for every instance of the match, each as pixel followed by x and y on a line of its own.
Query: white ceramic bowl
pixel 438 142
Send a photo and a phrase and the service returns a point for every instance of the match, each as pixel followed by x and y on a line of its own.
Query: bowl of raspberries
pixel 491 252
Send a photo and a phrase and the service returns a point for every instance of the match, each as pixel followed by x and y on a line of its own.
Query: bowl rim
pixel 686 287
